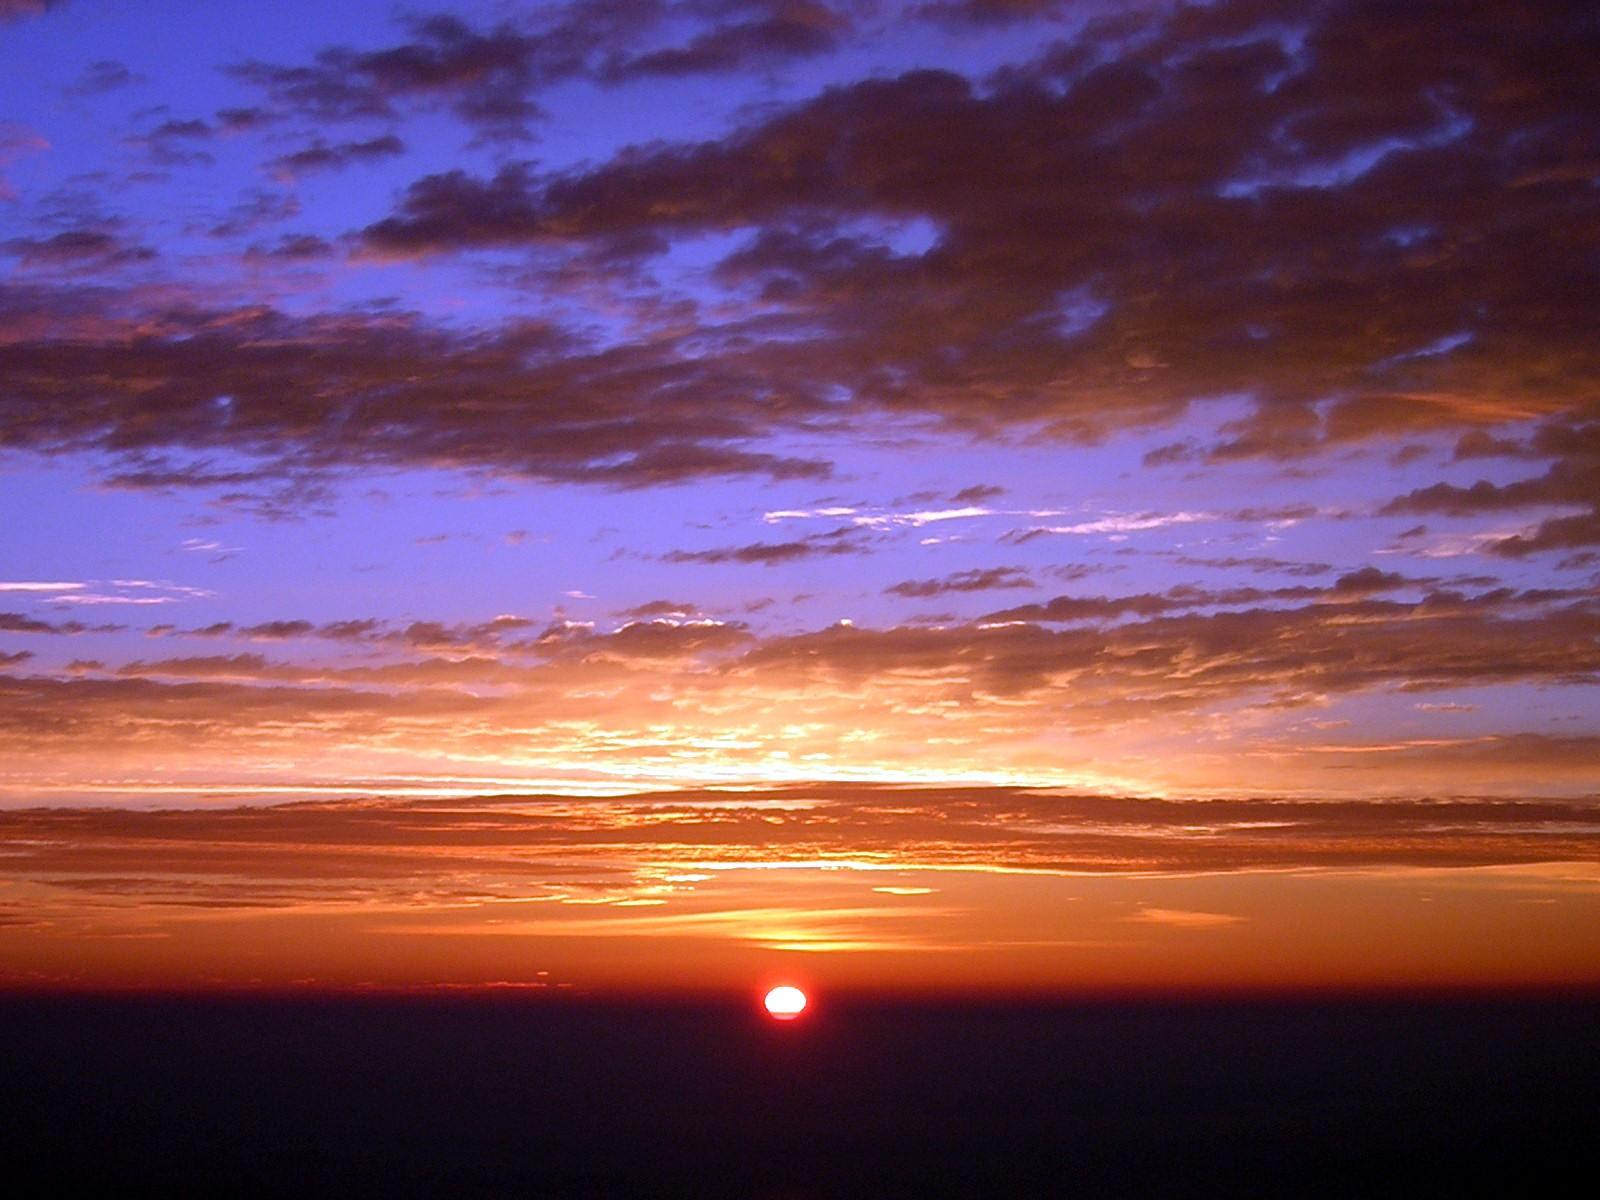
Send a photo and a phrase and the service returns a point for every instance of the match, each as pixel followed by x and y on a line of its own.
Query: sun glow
pixel 785 1003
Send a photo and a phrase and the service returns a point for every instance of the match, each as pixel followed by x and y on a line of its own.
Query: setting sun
pixel 785 1003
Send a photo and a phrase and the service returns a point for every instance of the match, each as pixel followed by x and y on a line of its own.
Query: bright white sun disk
pixel 785 1003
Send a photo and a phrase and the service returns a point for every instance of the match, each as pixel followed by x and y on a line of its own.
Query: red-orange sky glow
pixel 972 891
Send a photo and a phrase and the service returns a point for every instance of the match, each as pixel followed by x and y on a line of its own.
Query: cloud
pixel 129 591
pixel 491 77
pixel 321 156
pixel 242 119
pixel 975 580
pixel 1236 181
pixel 175 142
pixel 15 10
pixel 977 493
pixel 13 622
pixel 1185 919
pixel 1180 662
pixel 1260 564
pixel 74 249
pixel 453 210
pixel 301 249
pixel 277 630
pixel 1097 608
pixel 1572 481
pixel 365 889
pixel 484 77
pixel 788 29
pixel 236 666
pixel 967 13
pixel 104 75
pixel 191 127
pixel 1115 524
pixel 1311 173
pixel 310 395
pixel 256 209
pixel 843 540
pixel 424 853
pixel 1367 581
pixel 661 608
pixel 1176 689
pixel 423 635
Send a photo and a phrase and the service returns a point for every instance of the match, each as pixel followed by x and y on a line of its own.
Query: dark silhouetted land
pixel 496 1097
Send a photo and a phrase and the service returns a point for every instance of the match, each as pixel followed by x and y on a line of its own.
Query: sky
pixel 977 495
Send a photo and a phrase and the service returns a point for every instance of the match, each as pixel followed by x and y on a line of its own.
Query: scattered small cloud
pixel 843 540
pixel 324 156
pixel 975 580
pixel 1183 919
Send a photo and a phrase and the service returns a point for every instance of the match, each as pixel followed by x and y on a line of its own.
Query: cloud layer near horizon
pixel 523 840
pixel 875 886
pixel 1052 690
